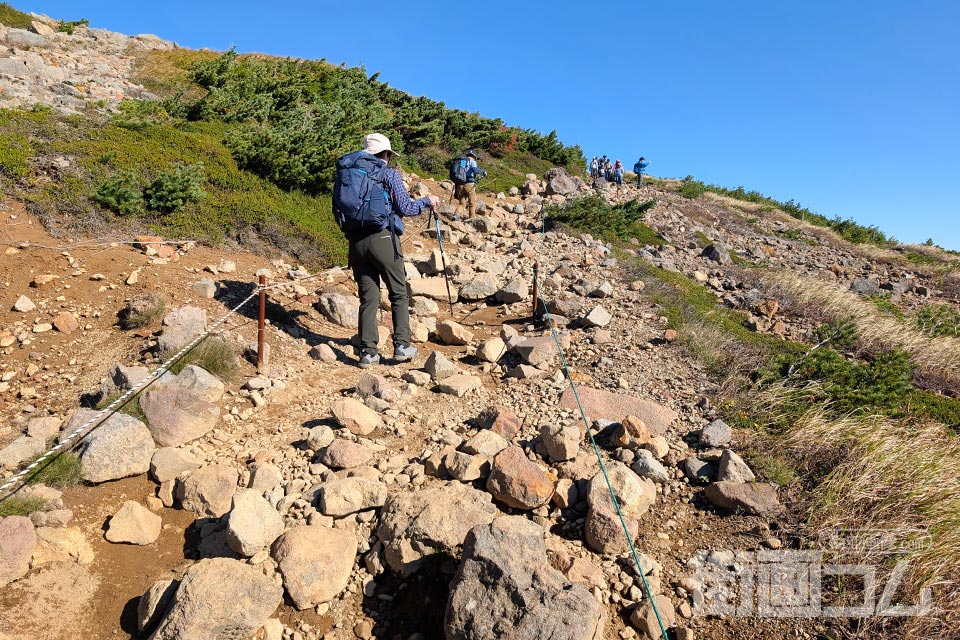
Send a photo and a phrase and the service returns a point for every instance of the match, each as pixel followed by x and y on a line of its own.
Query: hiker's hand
pixel 434 201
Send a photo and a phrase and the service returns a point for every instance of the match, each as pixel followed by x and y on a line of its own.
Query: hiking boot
pixel 368 359
pixel 403 353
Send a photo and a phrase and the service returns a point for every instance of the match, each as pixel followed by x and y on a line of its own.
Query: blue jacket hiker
pixel 638 169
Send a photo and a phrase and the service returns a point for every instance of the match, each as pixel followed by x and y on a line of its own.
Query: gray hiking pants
pixel 372 258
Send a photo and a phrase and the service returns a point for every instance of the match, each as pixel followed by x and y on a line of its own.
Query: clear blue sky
pixel 848 107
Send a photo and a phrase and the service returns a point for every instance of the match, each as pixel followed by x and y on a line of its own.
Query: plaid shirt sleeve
pixel 403 204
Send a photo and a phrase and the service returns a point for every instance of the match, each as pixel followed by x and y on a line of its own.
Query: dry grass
pixel 938 357
pixel 875 474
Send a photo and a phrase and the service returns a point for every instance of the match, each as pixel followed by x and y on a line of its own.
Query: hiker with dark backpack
pixel 464 173
pixel 369 200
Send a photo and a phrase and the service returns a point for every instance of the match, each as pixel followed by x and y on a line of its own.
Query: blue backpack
pixel 458 170
pixel 360 199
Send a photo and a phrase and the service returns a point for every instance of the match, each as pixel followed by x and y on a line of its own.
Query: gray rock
pixel 44 428
pixel 716 434
pixel 169 463
pixel 562 442
pixel 133 524
pixel 753 498
pixel 598 317
pixel 320 437
pixel 718 253
pixel 18 539
pixel 349 495
pixel 647 466
pixel 439 366
pixel 180 327
pixel 514 291
pixel 506 588
pixel 323 353
pixel 733 468
pixel 697 469
pixel 492 349
pixel 204 287
pixel 419 524
pixel 424 306
pixel 22 39
pixel 480 288
pixel 537 351
pixel 315 562
pixel 865 287
pixel 119 447
pixel 252 524
pixel 561 184
pixel 265 477
pixel 20 450
pixel 453 333
pixel 635 494
pixel 208 491
pixel 153 604
pixel 487 442
pixel 200 382
pixel 459 384
pixel 176 415
pixel 340 309
pixel 219 598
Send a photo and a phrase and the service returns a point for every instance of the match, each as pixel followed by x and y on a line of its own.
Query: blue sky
pixel 848 107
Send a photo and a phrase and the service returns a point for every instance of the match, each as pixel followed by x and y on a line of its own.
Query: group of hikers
pixel 602 169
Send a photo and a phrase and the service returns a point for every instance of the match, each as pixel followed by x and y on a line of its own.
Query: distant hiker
pixel 638 169
pixel 594 167
pixel 464 173
pixel 608 170
pixel 618 174
pixel 369 199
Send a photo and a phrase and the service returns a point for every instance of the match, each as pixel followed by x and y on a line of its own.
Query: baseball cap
pixel 376 143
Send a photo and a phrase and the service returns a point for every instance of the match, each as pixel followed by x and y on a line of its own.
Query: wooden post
pixel 536 293
pixel 261 322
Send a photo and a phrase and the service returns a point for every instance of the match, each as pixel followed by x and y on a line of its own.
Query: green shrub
pixel 938 320
pixel 175 187
pixel 17 506
pixel 15 154
pixel 690 188
pixel 71 26
pixel 215 355
pixel 14 18
pixel 593 215
pixel 121 194
pixel 140 114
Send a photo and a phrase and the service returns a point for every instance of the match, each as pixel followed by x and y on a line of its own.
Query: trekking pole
pixel 443 259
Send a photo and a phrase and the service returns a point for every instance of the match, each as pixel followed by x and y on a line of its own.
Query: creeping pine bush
pixel 690 188
pixel 120 194
pixel 175 187
pixel 593 215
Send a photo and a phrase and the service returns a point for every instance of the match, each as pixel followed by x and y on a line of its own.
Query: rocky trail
pixel 457 495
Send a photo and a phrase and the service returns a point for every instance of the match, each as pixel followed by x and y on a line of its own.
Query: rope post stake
pixel 261 321
pixel 536 292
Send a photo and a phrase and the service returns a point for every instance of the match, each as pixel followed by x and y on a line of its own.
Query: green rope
pixel 596 451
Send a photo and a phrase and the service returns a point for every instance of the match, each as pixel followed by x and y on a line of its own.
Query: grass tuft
pixel 17 506
pixel 14 18
pixel 215 355
pixel 142 311
pixel 62 470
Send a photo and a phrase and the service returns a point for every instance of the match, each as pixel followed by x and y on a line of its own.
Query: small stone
pixel 133 524
pixel 24 305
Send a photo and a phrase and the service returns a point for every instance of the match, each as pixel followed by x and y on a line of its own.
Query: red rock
pixel 670 335
pixel 142 242
pixel 66 322
pixel 166 251
pixel 501 420
pixel 600 404
pixel 518 482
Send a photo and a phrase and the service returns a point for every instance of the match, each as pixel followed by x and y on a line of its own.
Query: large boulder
pixel 751 498
pixel 517 482
pixel 355 416
pixel 200 382
pixel 17 542
pixel 121 446
pixel 606 405
pixel 340 309
pixel 176 415
pixel 180 327
pixel 315 562
pixel 419 524
pixel 153 604
pixel 252 524
pixel 635 495
pixel 208 491
pixel 350 495
pixel 343 454
pixel 560 183
pixel 506 588
pixel 219 598
pixel 480 288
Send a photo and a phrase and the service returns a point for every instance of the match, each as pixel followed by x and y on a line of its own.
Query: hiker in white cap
pixel 369 200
